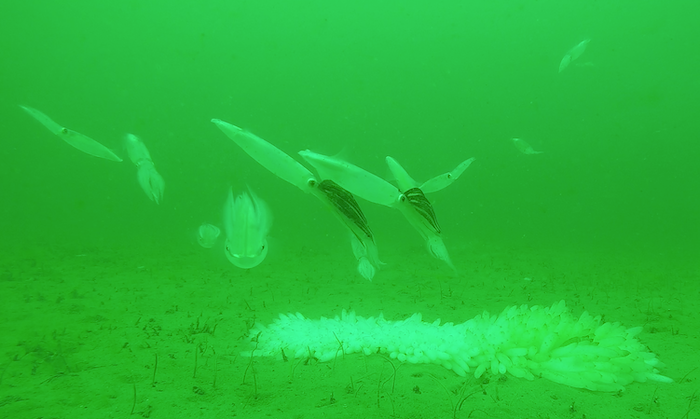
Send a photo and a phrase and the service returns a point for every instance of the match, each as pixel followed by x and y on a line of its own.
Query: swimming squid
pixel 207 234
pixel 247 222
pixel 75 139
pixel 524 147
pixel 573 54
pixel 340 201
pixel 150 180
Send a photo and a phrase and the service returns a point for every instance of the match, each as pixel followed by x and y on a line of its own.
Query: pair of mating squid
pixel 338 183
pixel 150 180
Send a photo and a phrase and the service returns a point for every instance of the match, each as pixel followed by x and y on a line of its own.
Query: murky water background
pixel 97 281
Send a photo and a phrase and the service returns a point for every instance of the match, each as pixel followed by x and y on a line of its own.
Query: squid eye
pixel 64 130
pixel 311 182
pixel 402 198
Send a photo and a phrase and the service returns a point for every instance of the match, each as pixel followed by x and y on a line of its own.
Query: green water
pixel 614 195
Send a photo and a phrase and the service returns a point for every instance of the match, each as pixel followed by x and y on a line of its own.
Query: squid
pixel 412 202
pixel 75 139
pixel 524 147
pixel 331 194
pixel 150 180
pixel 573 54
pixel 207 234
pixel 247 222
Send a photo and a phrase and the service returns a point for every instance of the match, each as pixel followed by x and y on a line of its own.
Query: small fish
pixel 573 54
pixel 524 147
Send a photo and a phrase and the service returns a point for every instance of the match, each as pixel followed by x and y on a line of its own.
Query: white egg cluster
pixel 523 341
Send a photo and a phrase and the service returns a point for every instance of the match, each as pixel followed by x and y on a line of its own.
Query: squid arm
pixel 151 181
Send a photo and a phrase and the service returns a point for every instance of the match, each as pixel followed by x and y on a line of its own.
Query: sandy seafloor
pixel 84 328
